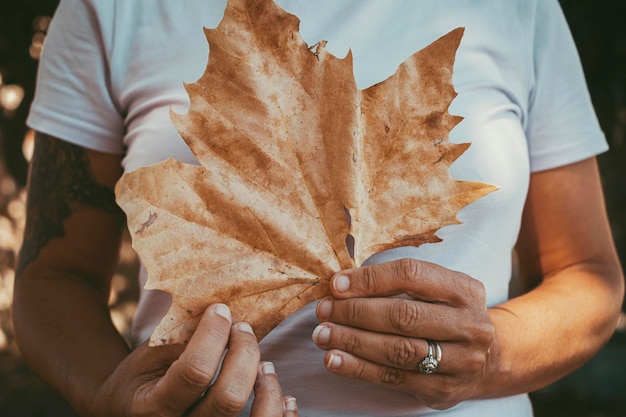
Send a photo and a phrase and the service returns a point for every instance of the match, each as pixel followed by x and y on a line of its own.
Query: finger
pixel 351 366
pixel 190 375
pixel 268 395
pixel 421 280
pixel 233 386
pixel 397 351
pixel 430 389
pixel 399 316
pixel 290 407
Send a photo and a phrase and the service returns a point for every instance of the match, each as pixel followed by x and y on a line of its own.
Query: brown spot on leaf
pixel 151 219
pixel 433 120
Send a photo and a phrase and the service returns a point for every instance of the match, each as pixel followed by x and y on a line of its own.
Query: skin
pixel 575 290
pixel 568 265
pixel 61 316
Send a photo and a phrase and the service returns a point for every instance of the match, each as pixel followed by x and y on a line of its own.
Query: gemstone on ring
pixel 429 364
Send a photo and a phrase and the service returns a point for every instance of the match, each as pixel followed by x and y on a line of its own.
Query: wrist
pixel 497 370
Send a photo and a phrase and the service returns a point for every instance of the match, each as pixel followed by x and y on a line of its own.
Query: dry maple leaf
pixel 301 173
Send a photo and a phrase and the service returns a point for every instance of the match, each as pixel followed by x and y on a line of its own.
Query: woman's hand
pixel 176 380
pixel 373 336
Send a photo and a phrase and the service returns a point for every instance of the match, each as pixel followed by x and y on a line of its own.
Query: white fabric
pixel 111 70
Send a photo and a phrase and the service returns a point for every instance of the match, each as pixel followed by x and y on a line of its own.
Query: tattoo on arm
pixel 60 184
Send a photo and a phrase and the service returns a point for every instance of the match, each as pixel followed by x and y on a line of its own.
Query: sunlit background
pixel 596 390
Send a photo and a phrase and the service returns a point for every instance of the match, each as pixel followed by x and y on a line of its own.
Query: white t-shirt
pixel 112 69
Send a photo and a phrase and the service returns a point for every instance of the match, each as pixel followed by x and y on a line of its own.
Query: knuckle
pixel 409 269
pixel 405 316
pixel 359 370
pixel 354 311
pixel 476 362
pixel 390 376
pixel 480 357
pixel 274 393
pixel 245 344
pixel 371 279
pixel 476 289
pixel 402 353
pixel 446 396
pixel 486 334
pixel 352 343
pixel 468 292
pixel 230 402
pixel 476 328
pixel 250 349
pixel 197 372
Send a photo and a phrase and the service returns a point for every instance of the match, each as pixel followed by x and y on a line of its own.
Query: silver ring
pixel 429 364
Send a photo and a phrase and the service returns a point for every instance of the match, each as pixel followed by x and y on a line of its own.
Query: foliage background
pixel 595 390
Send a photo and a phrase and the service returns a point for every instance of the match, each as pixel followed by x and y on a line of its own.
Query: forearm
pixel 70 250
pixel 65 334
pixel 550 331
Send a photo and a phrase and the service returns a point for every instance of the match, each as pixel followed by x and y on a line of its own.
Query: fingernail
pixel 321 335
pixel 334 361
pixel 268 368
pixel 324 308
pixel 223 310
pixel 290 404
pixel 341 283
pixel 245 327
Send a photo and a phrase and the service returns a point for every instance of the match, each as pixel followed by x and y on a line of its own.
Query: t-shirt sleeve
pixel 562 126
pixel 73 100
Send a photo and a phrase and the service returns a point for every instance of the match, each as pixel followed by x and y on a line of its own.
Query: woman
pixel 110 73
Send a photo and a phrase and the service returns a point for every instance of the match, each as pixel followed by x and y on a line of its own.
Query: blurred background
pixel 598 389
